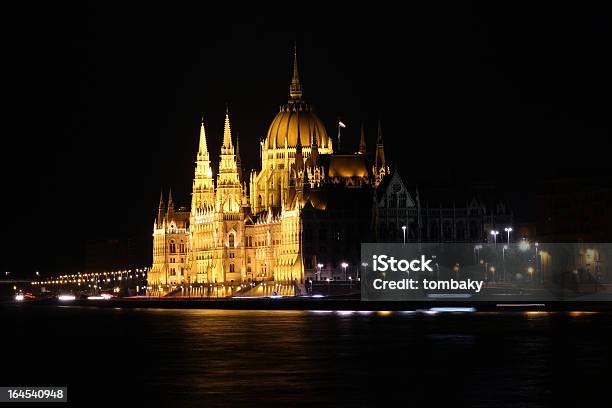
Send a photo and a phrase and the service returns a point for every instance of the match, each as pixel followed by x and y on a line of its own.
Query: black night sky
pixel 108 99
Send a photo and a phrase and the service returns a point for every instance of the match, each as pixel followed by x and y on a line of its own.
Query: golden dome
pixel 296 116
pixel 286 123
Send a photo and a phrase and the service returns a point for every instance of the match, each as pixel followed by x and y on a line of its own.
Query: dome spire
pixel 295 89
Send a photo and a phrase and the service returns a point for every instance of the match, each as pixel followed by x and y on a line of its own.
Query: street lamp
pixel 404 231
pixel 508 231
pixel 536 263
pixel 365 269
pixel 344 265
pixel 495 233
pixel 319 266
pixel 504 260
pixel 477 249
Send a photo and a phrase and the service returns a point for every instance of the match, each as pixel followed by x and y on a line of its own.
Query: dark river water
pixel 154 357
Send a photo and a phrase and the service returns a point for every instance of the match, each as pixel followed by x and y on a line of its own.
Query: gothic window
pixel 448 231
pixel 474 231
pixel 433 230
pixel 412 230
pixel 402 200
pixel 231 240
pixel 460 231
pixel 382 233
pixel 231 268
pixel 393 200
pixel 392 232
pixel 172 247
pixel 182 247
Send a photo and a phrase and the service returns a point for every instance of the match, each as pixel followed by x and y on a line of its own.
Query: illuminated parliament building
pixel 303 215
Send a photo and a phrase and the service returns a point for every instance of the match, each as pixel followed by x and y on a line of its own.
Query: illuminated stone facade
pixel 234 234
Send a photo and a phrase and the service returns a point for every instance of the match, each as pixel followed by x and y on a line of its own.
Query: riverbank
pixel 309 303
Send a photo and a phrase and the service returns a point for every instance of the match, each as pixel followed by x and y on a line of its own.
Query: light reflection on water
pixel 325 358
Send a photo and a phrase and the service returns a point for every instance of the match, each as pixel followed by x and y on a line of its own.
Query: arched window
pixel 412 230
pixel 448 231
pixel 391 232
pixel 172 247
pixel 460 231
pixel 393 200
pixel 402 200
pixel 231 240
pixel 474 231
pixel 433 230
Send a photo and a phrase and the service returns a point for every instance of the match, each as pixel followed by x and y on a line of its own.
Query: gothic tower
pixel 362 143
pixel 202 213
pixel 229 189
pixel 380 166
pixel 203 191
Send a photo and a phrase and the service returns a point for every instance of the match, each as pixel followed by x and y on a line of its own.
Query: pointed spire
pixel 299 158
pixel 306 182
pixel 170 201
pixel 227 132
pixel 237 146
pixel 203 150
pixel 295 89
pixel 161 199
pixel 314 149
pixel 362 144
pixel 379 160
pixel 160 209
pixel 170 205
pixel 238 160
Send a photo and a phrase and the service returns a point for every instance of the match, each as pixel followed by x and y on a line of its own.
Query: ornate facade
pixel 234 234
pixel 306 211
pixel 435 214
